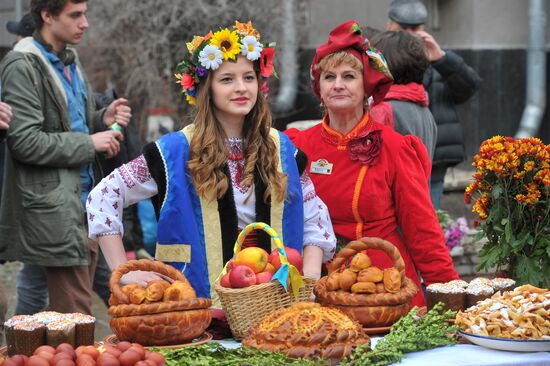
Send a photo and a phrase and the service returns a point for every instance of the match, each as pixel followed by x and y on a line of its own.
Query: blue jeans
pixel 436 192
pixel 32 289
pixel 101 279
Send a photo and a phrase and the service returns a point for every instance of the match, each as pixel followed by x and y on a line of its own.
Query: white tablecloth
pixel 459 355
pixel 472 355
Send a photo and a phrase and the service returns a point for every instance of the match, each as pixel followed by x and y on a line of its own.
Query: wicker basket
pixel 245 307
pixel 371 310
pixel 156 323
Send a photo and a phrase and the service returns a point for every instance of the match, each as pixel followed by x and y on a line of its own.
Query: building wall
pixel 491 36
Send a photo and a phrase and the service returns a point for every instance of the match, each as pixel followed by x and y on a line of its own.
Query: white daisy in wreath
pixel 251 48
pixel 210 57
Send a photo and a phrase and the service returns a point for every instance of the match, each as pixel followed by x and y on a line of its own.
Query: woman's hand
pixel 313 259
pixel 142 278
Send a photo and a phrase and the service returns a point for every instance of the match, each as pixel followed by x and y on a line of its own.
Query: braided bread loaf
pixel 307 330
pixel 161 314
pixel 162 329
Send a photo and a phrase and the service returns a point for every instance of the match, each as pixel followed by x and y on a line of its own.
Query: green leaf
pixel 507 231
pixel 528 271
pixel 504 221
pixel 497 190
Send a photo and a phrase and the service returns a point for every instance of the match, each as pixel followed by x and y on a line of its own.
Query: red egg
pixel 17 360
pixel 37 361
pixel 45 355
pixel 157 358
pixel 45 348
pixel 11 362
pixel 129 358
pixel 106 359
pixel 123 346
pixel 92 351
pixel 60 356
pixel 64 362
pixel 66 348
pixel 137 349
pixel 141 363
pixel 85 360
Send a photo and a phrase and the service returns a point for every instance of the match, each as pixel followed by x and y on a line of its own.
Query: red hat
pixel 347 37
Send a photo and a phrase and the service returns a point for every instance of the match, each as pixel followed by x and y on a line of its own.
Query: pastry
pixel 451 294
pixel 392 280
pixel 60 331
pixel 363 288
pixel 476 292
pixel 170 313
pixel 28 336
pixel 155 290
pixel 503 284
pixel 307 330
pixel 371 274
pixel 179 290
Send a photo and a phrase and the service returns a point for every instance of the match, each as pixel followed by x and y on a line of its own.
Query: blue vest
pixel 188 234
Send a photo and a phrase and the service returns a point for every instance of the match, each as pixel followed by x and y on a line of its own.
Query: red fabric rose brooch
pixel 365 147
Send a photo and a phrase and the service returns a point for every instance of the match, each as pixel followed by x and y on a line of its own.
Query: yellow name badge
pixel 321 166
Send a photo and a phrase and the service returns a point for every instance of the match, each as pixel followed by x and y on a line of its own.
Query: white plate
pixel 507 344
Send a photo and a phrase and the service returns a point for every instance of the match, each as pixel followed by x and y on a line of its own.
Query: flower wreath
pixel 207 53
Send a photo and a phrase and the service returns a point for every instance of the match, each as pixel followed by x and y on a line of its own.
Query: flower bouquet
pixel 510 196
pixel 454 230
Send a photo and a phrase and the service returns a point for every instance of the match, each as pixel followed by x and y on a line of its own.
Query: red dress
pixel 389 199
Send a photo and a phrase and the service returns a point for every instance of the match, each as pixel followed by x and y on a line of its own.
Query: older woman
pixel 374 180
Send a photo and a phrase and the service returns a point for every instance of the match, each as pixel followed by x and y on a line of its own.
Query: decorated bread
pixel 160 314
pixel 371 295
pixel 307 330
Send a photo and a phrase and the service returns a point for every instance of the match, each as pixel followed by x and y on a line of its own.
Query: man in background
pixel 53 140
pixel 448 81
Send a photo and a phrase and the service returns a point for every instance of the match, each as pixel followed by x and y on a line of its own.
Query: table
pixel 457 355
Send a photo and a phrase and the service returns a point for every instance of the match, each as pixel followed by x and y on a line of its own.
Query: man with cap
pixel 448 81
pixel 21 29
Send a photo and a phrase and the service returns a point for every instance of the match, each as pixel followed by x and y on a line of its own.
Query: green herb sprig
pixel 411 333
pixel 214 354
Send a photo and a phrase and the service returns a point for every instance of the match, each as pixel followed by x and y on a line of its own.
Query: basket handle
pixel 286 270
pixel 357 246
pixel 140 265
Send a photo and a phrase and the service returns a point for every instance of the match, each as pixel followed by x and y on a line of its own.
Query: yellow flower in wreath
pixel 227 42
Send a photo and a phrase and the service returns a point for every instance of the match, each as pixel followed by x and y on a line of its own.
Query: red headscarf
pixel 347 37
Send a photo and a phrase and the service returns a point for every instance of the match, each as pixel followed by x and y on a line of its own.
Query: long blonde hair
pixel 209 152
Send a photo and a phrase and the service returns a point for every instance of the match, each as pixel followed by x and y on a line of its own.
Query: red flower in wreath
pixel 187 81
pixel 266 62
pixel 365 148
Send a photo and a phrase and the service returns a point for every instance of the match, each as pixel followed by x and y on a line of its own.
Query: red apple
pixel 253 257
pixel 230 265
pixel 294 257
pixel 263 277
pixel 224 282
pixel 242 276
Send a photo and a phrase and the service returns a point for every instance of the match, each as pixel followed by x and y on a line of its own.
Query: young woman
pixel 225 170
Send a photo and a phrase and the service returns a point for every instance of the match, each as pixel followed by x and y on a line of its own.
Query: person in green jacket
pixel 53 139
pixel 5 118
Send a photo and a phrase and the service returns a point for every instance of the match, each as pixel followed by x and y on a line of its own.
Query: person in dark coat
pixel 449 81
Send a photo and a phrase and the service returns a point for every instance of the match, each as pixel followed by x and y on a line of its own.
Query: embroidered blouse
pixel 132 182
